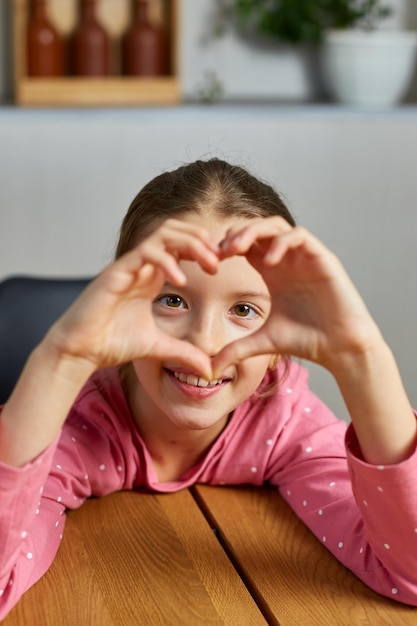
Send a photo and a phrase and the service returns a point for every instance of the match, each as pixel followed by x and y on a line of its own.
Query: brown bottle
pixel 90 45
pixel 144 45
pixel 45 50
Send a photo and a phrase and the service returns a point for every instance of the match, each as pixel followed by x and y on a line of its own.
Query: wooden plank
pixel 99 92
pixel 133 558
pixel 292 576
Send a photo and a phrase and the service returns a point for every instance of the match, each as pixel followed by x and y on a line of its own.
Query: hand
pixel 316 312
pixel 102 326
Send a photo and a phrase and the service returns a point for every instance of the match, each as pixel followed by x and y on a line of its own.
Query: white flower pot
pixel 368 68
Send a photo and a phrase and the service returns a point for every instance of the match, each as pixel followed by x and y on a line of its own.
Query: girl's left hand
pixel 316 312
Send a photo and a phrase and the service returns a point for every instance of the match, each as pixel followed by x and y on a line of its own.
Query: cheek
pixel 252 371
pixel 146 372
pixel 173 326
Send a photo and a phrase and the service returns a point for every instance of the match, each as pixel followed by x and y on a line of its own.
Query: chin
pixel 193 419
pixel 194 424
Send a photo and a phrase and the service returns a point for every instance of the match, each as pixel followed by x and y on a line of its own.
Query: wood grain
pixel 132 559
pixel 96 92
pixel 292 576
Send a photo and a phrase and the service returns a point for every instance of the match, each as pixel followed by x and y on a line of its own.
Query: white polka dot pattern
pixel 294 444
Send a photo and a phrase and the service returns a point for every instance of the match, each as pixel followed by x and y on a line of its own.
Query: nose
pixel 208 332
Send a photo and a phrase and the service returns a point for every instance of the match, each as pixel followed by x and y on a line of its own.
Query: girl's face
pixel 209 311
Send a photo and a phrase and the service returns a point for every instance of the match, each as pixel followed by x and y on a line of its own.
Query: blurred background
pixel 68 173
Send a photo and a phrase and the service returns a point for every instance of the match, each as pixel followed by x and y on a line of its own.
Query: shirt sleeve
pixel 30 530
pixel 386 497
pixel 85 460
pixel 364 514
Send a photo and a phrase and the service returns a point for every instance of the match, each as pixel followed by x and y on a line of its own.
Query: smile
pixel 195 381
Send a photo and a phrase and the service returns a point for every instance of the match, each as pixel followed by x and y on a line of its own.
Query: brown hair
pixel 213 186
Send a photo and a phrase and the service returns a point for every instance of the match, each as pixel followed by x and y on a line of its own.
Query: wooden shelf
pixel 112 91
pixel 98 92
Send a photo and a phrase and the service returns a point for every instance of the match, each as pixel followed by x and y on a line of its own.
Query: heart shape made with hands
pixel 315 312
pixel 241 274
pixel 311 311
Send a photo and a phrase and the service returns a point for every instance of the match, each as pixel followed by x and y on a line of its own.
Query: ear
pixel 273 361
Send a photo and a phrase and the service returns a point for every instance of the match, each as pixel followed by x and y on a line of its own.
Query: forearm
pixel 378 405
pixel 39 404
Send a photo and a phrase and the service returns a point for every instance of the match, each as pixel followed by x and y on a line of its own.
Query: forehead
pixel 216 224
pixel 234 272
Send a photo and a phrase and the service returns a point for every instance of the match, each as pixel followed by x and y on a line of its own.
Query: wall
pixel 67 177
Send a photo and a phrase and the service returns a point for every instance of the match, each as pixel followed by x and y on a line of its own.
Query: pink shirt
pixel 366 515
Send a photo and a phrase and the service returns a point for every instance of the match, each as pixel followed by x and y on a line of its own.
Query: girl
pixel 173 368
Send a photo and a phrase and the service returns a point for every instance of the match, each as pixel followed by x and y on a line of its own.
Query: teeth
pixel 190 379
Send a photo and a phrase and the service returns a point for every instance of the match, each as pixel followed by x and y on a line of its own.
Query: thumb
pixel 185 354
pixel 253 345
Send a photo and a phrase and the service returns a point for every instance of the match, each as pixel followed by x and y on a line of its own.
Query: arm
pixel 377 403
pixel 40 402
pixel 29 531
pixel 33 498
pixel 99 330
pixel 364 516
pixel 317 314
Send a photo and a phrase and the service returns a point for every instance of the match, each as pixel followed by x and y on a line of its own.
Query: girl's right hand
pixel 109 324
pixel 112 323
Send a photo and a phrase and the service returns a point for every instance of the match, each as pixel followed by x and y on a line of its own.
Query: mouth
pixel 196 381
pixel 195 386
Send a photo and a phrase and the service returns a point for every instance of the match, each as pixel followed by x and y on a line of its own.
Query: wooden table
pixel 294 579
pixel 134 559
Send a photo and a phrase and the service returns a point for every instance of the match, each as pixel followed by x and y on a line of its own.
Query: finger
pixel 253 345
pixel 199 232
pixel 122 276
pixel 189 241
pixel 164 255
pixel 168 348
pixel 180 245
pixel 240 239
pixel 297 237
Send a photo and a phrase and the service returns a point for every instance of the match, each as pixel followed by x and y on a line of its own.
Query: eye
pixel 244 310
pixel 172 301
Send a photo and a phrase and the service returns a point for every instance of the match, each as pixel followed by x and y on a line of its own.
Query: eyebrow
pixel 236 295
pixel 249 295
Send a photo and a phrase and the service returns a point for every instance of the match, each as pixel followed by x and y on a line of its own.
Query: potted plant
pixel 365 65
pixel 361 64
pixel 297 21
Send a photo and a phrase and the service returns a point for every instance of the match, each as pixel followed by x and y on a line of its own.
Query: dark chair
pixel 28 307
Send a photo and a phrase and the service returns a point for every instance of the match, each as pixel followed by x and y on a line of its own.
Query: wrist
pixel 39 404
pixel 365 350
pixel 54 361
pixel 381 413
